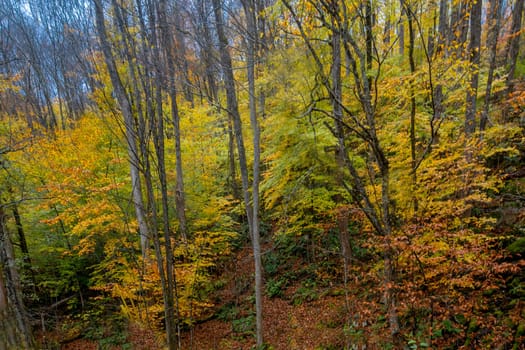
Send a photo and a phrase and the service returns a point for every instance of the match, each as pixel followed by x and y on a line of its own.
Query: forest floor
pixel 313 322
pixel 309 323
pixel 306 308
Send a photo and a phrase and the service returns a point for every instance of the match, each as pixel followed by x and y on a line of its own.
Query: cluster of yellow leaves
pixel 77 173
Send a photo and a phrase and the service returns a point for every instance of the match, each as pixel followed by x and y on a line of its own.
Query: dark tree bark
pixel 411 43
pixel 21 235
pixel 475 54
pixel 337 113
pixel 180 197
pixel 180 51
pixel 458 28
pixel 15 329
pixel 205 42
pixel 368 33
pixel 401 30
pixel 514 44
pixel 232 106
pixel 494 18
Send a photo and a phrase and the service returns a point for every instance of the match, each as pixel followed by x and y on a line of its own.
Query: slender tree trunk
pixel 126 108
pixel 21 235
pixel 251 40
pixel 165 271
pixel 14 325
pixel 232 106
pixel 337 112
pixel 180 197
pixel 401 30
pixel 459 21
pixel 441 49
pixel 411 43
pixel 368 33
pixel 180 53
pixel 474 49
pixel 514 44
pixel 207 53
pixel 158 136
pixel 133 152
pixel 234 184
pixel 492 44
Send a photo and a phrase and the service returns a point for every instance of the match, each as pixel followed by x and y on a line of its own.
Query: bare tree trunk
pixel 15 327
pixel 343 213
pixel 126 108
pixel 206 46
pixel 158 135
pixel 21 235
pixel 474 49
pixel 368 33
pixel 180 197
pixel 492 45
pixel 232 106
pixel 514 44
pixel 251 40
pixel 401 30
pixel 442 27
pixel 133 152
pixel 180 52
pixel 458 28
pixel 411 43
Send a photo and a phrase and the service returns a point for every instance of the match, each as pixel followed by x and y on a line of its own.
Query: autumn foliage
pixel 391 174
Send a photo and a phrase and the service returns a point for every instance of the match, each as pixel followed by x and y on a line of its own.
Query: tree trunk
pixel 411 44
pixel 401 30
pixel 206 45
pixel 252 209
pixel 442 27
pixel 126 108
pixel 232 106
pixel 368 33
pixel 337 114
pixel 514 44
pixel 21 236
pixel 181 51
pixel 133 153
pixel 474 49
pixel 251 41
pixel 458 26
pixel 492 45
pixel 380 218
pixel 180 197
pixel 15 329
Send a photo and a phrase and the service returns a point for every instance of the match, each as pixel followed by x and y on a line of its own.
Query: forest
pixel 262 174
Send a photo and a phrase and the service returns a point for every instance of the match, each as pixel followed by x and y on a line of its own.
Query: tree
pixel 15 331
pixel 170 60
pixel 232 106
pixel 474 60
pixel 494 19
pixel 128 122
pixel 365 128
pixel 166 276
pixel 514 43
pixel 252 41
